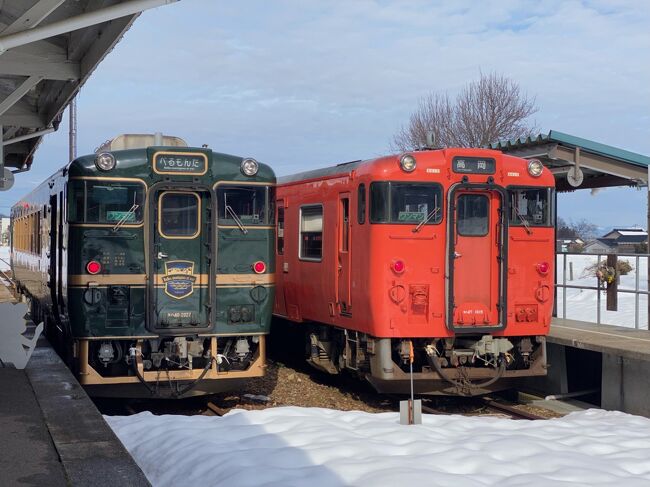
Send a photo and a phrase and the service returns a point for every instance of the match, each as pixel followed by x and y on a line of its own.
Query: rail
pixel 640 263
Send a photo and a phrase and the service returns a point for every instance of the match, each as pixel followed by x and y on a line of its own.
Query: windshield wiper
pixel 429 217
pixel 524 221
pixel 236 218
pixel 125 217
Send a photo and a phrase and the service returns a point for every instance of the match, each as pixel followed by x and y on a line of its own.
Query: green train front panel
pixel 185 292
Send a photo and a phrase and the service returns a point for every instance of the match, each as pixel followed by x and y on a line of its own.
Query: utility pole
pixel 72 136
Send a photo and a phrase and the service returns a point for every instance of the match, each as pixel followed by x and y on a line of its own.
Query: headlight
pixel 535 167
pixel 249 167
pixel 407 163
pixel 105 161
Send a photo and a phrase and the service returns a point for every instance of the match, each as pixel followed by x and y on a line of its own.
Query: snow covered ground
pixel 583 304
pixel 326 448
pixel 4 258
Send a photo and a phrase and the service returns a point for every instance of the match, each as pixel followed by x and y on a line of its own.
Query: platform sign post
pixel 410 412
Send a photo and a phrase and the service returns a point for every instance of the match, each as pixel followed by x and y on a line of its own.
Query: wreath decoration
pixel 606 274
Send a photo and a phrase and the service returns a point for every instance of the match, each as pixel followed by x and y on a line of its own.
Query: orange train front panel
pixel 447 253
pixel 470 267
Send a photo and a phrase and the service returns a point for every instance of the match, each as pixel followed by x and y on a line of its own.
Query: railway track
pixel 481 406
pixel 510 410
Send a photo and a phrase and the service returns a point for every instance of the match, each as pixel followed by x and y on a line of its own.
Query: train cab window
pixel 311 233
pixel 361 204
pixel 179 215
pixel 245 204
pixel 405 203
pixel 472 215
pixel 106 201
pixel 531 206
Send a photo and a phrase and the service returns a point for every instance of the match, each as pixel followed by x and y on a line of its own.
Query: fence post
pixel 612 287
pixel 570 271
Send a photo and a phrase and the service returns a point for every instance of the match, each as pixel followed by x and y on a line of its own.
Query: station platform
pixel 628 343
pixel 52 434
pixel 610 364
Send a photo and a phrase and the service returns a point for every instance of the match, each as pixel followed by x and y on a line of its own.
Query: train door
pixel 182 266
pixel 344 255
pixel 475 260
pixel 53 252
pixel 60 257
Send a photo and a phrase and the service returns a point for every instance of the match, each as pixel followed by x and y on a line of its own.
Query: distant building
pixel 569 245
pixel 619 240
pixel 4 230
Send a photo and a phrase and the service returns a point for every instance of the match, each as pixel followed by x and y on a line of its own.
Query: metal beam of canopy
pixel 48 49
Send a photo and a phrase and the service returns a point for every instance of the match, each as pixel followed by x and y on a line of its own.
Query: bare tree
pixel 490 109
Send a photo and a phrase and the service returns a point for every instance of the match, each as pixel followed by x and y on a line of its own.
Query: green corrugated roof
pixel 573 141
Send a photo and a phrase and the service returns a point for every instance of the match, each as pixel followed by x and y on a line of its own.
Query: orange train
pixel 439 260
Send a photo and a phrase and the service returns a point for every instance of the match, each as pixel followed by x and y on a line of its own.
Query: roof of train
pixel 131 161
pixel 322 172
pixel 346 167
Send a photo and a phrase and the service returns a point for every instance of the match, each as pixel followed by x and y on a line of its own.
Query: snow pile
pixel 320 447
pixel 582 304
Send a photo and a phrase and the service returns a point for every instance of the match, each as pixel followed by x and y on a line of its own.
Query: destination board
pixel 194 163
pixel 474 165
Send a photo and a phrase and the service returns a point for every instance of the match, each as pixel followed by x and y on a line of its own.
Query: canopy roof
pixel 48 49
pixel 602 165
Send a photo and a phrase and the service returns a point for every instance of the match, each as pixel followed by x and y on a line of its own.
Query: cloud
pixel 303 84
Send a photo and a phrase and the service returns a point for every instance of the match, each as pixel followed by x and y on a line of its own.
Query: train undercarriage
pixel 168 367
pixel 467 365
pixel 162 367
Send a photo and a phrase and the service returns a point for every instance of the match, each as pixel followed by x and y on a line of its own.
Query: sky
pixel 305 84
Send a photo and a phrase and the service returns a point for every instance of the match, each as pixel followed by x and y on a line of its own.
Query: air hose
pixel 193 384
pixel 433 361
pixel 133 352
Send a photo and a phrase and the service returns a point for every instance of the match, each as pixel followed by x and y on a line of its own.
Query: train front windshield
pixel 251 205
pixel 531 206
pixel 106 201
pixel 405 203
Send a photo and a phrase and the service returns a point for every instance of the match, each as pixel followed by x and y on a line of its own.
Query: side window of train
pixel 361 208
pixel 472 215
pixel 280 236
pixel 531 206
pixel 311 232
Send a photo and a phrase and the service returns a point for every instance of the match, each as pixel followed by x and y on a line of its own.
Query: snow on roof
pixel 633 229
pixel 635 233
pixel 292 446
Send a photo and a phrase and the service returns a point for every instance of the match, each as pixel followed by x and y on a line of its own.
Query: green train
pixel 151 265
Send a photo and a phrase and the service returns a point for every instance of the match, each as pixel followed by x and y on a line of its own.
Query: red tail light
pixel 398 266
pixel 93 267
pixel 543 268
pixel 259 267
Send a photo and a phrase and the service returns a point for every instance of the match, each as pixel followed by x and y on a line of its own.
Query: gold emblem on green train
pixel 179 278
